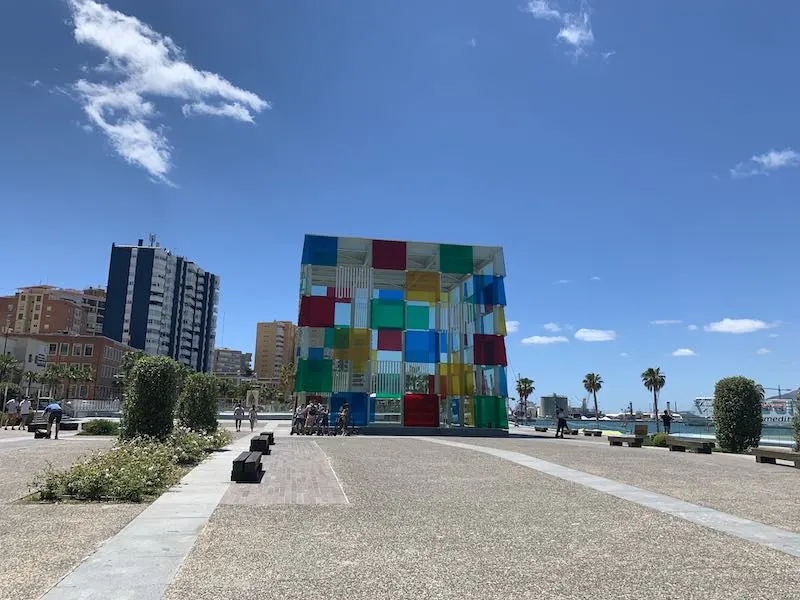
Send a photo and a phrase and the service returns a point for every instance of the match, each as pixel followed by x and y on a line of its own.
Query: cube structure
pixel 405 332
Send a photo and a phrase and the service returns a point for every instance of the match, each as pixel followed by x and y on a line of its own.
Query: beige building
pixel 47 309
pixel 275 347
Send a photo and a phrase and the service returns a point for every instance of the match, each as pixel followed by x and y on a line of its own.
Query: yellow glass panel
pixel 359 344
pixel 422 286
pixel 500 320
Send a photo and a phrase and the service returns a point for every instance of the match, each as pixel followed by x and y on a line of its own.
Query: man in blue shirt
pixel 53 413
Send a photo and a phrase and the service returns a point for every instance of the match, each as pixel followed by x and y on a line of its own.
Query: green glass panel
pixel 455 259
pixel 418 318
pixel 387 314
pixel 329 337
pixel 490 412
pixel 314 376
pixel 341 338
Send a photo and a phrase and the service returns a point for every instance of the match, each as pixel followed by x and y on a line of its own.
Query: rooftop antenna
pixel 152 238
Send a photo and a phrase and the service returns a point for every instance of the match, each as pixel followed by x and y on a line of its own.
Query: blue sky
pixel 648 145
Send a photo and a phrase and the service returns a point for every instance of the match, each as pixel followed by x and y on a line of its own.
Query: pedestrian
pixel 561 422
pixel 238 415
pixel 297 424
pixel 311 417
pixel 11 413
pixel 53 413
pixel 253 417
pixel 666 418
pixel 24 412
pixel 344 416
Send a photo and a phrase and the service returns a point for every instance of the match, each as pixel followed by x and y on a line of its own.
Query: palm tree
pixel 524 389
pixel 51 377
pixel 654 380
pixel 8 367
pixel 30 377
pixel 592 383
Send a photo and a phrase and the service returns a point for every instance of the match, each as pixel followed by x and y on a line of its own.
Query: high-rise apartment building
pixel 275 347
pixel 162 304
pixel 231 362
pixel 48 309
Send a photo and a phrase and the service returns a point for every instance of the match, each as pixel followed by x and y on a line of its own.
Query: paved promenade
pixel 368 517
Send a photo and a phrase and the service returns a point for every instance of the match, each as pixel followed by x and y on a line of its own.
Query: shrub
pixel 100 427
pixel 796 427
pixel 659 439
pixel 199 401
pixel 737 413
pixel 150 396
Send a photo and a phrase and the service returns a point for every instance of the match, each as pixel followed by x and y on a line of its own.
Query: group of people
pixel 18 414
pixel 238 416
pixel 314 418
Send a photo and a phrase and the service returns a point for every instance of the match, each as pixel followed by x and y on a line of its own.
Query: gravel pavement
pixel 428 521
pixel 734 484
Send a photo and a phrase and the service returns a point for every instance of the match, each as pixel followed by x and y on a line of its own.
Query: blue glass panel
pixel 320 250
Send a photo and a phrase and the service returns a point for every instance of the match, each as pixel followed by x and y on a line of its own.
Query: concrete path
pixel 141 560
pixel 758 533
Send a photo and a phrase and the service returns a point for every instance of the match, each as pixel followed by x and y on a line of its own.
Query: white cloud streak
pixel 553 327
pixel 692 328
pixel 666 322
pixel 595 335
pixel 763 351
pixel 595 278
pixel 142 64
pixel 772 335
pixel 738 326
pixel 576 28
pixel 512 326
pixel 684 352
pixel 624 354
pixel 563 281
pixel 762 164
pixel 545 339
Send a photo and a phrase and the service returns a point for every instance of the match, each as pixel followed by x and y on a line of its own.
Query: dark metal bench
pixel 770 455
pixel 259 444
pixel 247 468
pixel 679 444
pixel 66 425
pixel 633 441
pixel 571 431
pixel 270 435
pixel 542 429
pixel 594 432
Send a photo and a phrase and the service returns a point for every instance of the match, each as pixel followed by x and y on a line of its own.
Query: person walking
pixel 344 416
pixel 24 409
pixel 666 418
pixel 561 422
pixel 11 413
pixel 253 417
pixel 53 413
pixel 238 415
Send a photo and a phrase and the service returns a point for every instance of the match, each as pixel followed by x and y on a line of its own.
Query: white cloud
pixel 473 42
pixel 512 326
pixel 554 327
pixel 595 278
pixel 608 55
pixel 772 335
pixel 576 28
pixel 545 339
pixel 684 352
pixel 595 335
pixel 692 328
pixel 542 10
pixel 762 351
pixel 624 354
pixel 141 63
pixel 738 326
pixel 761 164
pixel 666 322
pixel 563 281
pixel 35 83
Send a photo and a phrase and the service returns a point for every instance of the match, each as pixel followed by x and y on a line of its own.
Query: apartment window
pixel 82 391
pixel 38 298
pixel 52 349
pixel 64 350
pixel 49 308
pixel 88 350
pixel 21 316
pixel 76 349
pixel 47 326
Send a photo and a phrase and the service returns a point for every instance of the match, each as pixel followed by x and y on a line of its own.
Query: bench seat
pixel 247 468
pixel 768 456
pixel 679 444
pixel 594 432
pixel 633 441
pixel 542 429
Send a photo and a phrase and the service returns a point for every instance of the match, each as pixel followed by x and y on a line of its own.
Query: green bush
pixel 199 402
pixel 133 471
pixel 100 427
pixel 796 427
pixel 659 439
pixel 737 413
pixel 151 391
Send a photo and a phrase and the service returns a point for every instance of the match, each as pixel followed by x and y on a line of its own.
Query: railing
pixel 92 408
